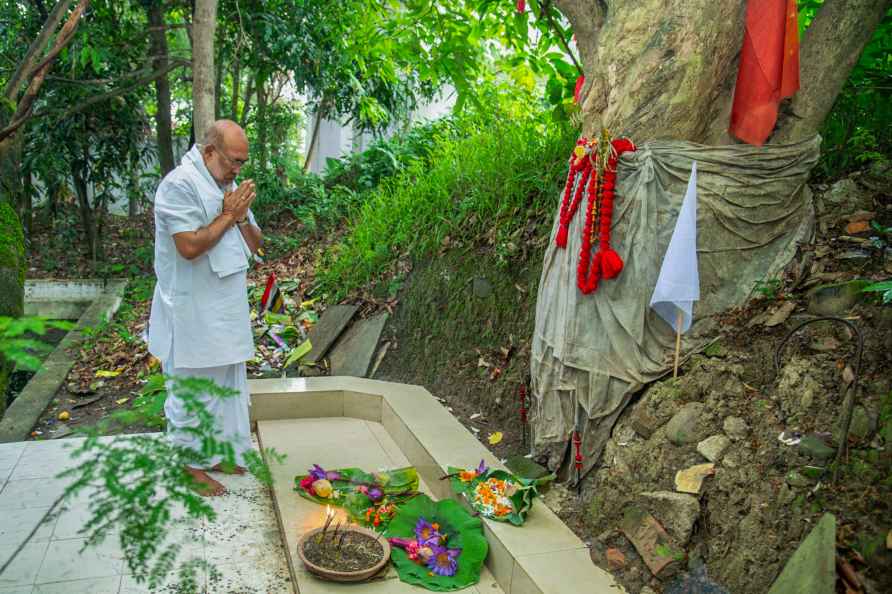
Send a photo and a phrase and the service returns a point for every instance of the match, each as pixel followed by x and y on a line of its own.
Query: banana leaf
pixel 351 488
pixel 523 491
pixel 463 531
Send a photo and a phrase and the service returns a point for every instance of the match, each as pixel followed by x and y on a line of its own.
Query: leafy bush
pixel 489 179
pixel 857 131
pixel 321 202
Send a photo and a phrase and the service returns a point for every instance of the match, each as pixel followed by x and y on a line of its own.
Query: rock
pixel 623 435
pixel 812 568
pixel 824 344
pixel 525 468
pixel 813 447
pixel 835 299
pixel 795 479
pixel 861 427
pixel 482 288
pixel 695 581
pixel 847 197
pixel 785 495
pixel 736 428
pixel 615 559
pixel 643 423
pixel 677 512
pixel 690 480
pixel 684 426
pixel 659 553
pixel 713 447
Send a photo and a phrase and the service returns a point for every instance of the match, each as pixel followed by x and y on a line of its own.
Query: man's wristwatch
pixel 244 221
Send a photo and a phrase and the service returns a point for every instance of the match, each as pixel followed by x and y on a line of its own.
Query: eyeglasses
pixel 232 162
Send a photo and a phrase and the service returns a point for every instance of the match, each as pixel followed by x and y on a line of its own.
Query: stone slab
pixel 353 353
pixel 656 548
pixel 26 409
pixel 327 330
pixel 812 568
pixel 243 541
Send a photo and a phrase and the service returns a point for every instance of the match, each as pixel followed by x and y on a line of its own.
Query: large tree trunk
pixel 262 124
pixel 204 25
pixel 665 69
pixel 158 39
pixel 12 248
pixel 831 47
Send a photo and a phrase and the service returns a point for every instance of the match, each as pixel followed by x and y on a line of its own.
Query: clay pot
pixel 345 576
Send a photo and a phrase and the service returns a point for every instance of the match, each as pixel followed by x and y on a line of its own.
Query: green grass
pixel 477 187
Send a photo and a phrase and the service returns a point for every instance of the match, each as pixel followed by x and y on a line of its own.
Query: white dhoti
pixel 230 413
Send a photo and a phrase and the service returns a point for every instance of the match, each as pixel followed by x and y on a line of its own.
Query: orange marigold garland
pixel 592 168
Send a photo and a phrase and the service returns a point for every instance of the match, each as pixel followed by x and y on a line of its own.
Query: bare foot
pixel 229 468
pixel 204 484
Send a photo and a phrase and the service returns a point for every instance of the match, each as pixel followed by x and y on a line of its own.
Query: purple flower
pixel 444 561
pixel 375 493
pixel 426 533
pixel 482 469
pixel 318 473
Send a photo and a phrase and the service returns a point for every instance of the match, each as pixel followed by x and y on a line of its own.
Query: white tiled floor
pixel 243 543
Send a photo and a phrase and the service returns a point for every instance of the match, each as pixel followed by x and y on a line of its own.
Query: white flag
pixel 679 283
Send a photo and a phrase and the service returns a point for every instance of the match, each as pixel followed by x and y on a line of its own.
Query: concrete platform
pixel 243 543
pixel 334 442
pixel 346 421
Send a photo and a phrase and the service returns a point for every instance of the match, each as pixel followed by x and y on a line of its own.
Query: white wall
pixel 337 140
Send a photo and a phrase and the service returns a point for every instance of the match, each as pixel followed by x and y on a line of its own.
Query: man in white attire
pixel 199 325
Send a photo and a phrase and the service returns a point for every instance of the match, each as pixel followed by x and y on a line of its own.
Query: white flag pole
pixel 678 322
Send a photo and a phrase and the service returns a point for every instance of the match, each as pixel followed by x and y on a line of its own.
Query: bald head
pixel 225 133
pixel 225 150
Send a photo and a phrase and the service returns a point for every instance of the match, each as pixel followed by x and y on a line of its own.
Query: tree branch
pixel 24 106
pixel 36 48
pixel 81 107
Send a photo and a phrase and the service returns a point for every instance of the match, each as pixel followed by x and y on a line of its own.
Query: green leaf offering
pixel 370 499
pixel 496 494
pixel 437 545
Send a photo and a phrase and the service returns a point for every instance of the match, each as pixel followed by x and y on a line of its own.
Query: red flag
pixel 769 68
pixel 576 92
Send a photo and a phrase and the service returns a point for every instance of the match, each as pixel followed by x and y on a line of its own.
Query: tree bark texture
pixel 666 69
pixel 158 43
pixel 204 26
pixel 830 49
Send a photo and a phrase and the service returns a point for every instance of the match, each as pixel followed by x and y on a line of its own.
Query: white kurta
pixel 199 324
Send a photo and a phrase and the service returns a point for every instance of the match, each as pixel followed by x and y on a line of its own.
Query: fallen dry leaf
pixel 121 400
pixel 106 373
pixel 781 314
pixel 495 438
pixel 857 227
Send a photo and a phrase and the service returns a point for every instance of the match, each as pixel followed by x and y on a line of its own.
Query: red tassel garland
pixel 597 179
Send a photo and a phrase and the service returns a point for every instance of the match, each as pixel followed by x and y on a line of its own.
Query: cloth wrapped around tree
pixel 370 499
pixel 437 545
pixel 592 351
pixel 496 494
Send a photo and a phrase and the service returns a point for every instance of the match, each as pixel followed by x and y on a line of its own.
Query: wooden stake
pixel 678 322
